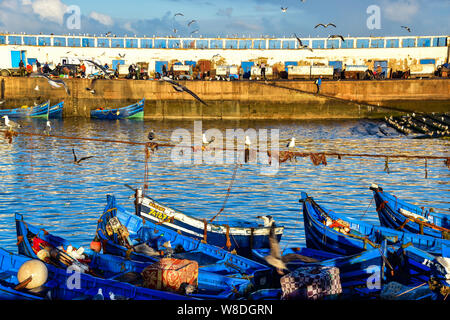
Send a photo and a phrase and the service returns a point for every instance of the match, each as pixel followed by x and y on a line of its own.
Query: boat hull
pixel 242 239
pixel 54 112
pixel 134 111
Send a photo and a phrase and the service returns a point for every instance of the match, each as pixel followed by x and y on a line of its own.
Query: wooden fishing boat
pixel 355 271
pixel 58 285
pixel 42 111
pixel 209 258
pixel 242 236
pixel 329 231
pixel 400 215
pixel 134 111
pixel 210 285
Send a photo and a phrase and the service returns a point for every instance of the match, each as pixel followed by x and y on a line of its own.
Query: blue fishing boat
pixel 329 231
pixel 400 215
pixel 41 111
pixel 134 111
pixel 210 285
pixel 242 236
pixel 59 285
pixel 209 258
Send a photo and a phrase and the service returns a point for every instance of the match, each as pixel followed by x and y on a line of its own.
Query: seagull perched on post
pixel 48 128
pixel 291 143
pixel 56 83
pixel 11 124
pixel 151 135
pixel 180 88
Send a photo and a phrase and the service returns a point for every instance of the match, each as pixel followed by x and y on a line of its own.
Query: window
pixel 59 42
pixel 274 44
pixel 305 42
pixel 362 43
pixel 245 44
pixel 333 44
pixel 117 43
pixel 88 42
pixel 160 43
pixel 147 43
pixel 174 44
pixel 440 42
pixel 231 44
pixel 131 43
pixel 288 44
pixel 318 44
pixel 102 43
pixel 392 43
pixel 424 42
pixel 408 43
pixel 44 41
pixel 427 61
pixel 347 44
pixel 2 40
pixel 29 41
pixel 74 42
pixel 201 44
pixel 377 43
pixel 14 40
pixel 215 44
pixel 259 44
pixel 189 44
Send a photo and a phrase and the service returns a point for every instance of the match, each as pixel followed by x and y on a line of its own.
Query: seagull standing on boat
pixel 268 220
pixel 11 124
pixel 56 83
pixel 274 259
pixel 76 160
pixel 180 88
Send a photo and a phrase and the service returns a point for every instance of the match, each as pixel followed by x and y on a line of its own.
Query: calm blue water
pixel 39 180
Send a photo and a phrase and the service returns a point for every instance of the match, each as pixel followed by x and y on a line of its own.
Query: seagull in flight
pixel 178 14
pixel 56 83
pixel 91 87
pixel 191 22
pixel 407 28
pixel 195 31
pixel 268 220
pixel 325 25
pixel 105 71
pixel 11 124
pixel 336 36
pixel 180 88
pixel 274 259
pixel 2 102
pixel 206 142
pixel 76 160
pixel 301 45
pixel 284 9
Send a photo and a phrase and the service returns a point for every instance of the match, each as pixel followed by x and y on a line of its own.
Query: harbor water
pixel 40 181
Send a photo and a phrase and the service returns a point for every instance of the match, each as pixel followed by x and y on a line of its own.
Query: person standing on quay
pixel 263 71
pixel 318 84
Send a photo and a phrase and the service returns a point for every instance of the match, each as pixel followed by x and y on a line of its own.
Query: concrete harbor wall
pixel 237 99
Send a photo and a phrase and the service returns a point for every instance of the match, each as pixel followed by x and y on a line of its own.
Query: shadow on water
pixel 39 179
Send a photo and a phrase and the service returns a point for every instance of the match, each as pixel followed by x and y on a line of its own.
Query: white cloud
pixel 400 10
pixel 52 10
pixel 102 18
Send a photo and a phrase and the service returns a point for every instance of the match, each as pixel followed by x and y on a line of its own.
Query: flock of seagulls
pixel 189 24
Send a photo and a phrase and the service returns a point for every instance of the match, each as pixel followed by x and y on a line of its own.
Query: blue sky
pixel 231 17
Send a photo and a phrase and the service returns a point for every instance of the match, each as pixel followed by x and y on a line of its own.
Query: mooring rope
pixel 228 193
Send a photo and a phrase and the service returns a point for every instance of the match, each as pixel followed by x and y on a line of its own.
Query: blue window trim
pixel 174 44
pixel 245 44
pixel 88 43
pixel 189 44
pixel 377 43
pixel 73 42
pixel 274 44
pixel 103 43
pixel 424 42
pixel 318 44
pixel 118 43
pixel 392 43
pixel 44 41
pixel 30 41
pixel 216 44
pixel 14 40
pixel 131 43
pixel 59 42
pixel 160 43
pixel 259 44
pixel 288 44
pixel 332 44
pixel 362 43
pixel 348 44
pixel 231 44
pixel 2 39
pixel 408 43
pixel 147 43
pixel 201 44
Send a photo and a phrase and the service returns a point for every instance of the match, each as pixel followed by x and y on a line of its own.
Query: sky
pixel 234 18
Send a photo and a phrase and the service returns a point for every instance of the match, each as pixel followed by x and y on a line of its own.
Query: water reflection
pixel 40 181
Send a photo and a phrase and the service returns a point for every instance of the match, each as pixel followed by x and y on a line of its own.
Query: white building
pixel 397 53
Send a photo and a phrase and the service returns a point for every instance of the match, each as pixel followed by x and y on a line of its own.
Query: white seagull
pixel 247 141
pixel 291 143
pixel 48 128
pixel 53 82
pixel 206 142
pixel 11 124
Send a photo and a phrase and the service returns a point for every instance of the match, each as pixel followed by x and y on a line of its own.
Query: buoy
pixel 32 274
pixel 96 246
